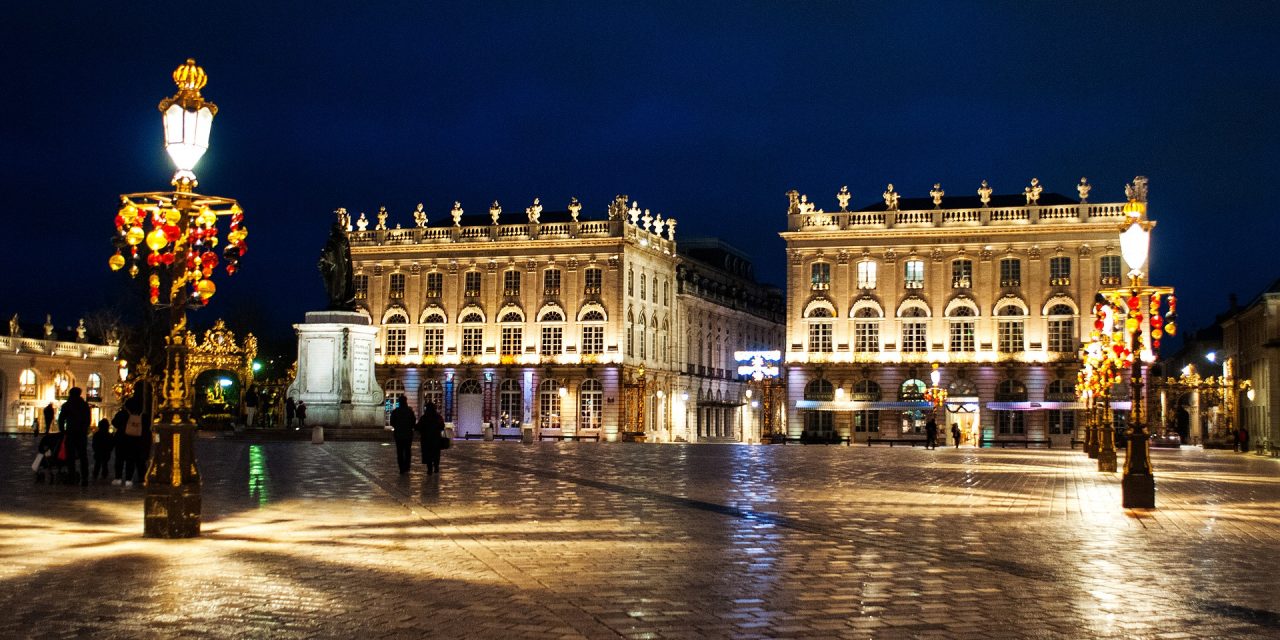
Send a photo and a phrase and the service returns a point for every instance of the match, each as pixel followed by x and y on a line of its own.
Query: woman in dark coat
pixel 102 444
pixel 431 429
pixel 402 429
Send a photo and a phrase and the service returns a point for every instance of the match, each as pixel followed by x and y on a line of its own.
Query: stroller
pixel 51 464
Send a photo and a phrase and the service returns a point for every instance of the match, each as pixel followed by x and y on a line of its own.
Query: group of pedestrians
pixel 430 428
pixel 295 409
pixel 931 434
pixel 124 437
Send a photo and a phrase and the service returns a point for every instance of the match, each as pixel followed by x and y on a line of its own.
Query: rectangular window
pixel 552 341
pixel 1062 422
pixel 820 276
pixel 915 338
pixel 362 287
pixel 866 337
pixel 962 336
pixel 433 341
pixel 631 282
pixel 472 284
pixel 1011 422
pixel 643 282
pixel 1010 336
pixel 866 275
pixel 551 282
pixel 914 274
pixel 594 279
pixel 512 341
pixel 820 337
pixel 592 340
pixel 1062 337
pixel 511 283
pixel 1059 271
pixel 866 421
pixel 396 341
pixel 510 404
pixel 1110 270
pixel 396 288
pixel 472 341
pixel 1011 272
pixel 666 292
pixel 435 284
pixel 962 274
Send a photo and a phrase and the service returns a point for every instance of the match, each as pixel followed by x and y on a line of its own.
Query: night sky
pixel 708 112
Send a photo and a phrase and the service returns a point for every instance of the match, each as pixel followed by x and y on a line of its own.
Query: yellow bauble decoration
pixel 134 235
pixel 206 289
pixel 154 280
pixel 116 262
pixel 207 217
pixel 156 240
pixel 172 216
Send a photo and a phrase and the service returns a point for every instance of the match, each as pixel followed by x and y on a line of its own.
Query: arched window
pixel 866 390
pixel 472 317
pixel 93 387
pixel 915 328
pixel 866 327
pixel 397 334
pixel 821 330
pixel 592 316
pixel 911 390
pixel 512 316
pixel 472 336
pixel 549 404
pixel 1011 328
pixel 392 389
pixel 27 384
pixel 962 329
pixel 551 316
pixel 433 335
pixel 471 387
pixel 592 332
pixel 433 393
pixel 62 384
pixel 510 403
pixel 631 321
pixel 1062 329
pixel 590 404
pixel 640 337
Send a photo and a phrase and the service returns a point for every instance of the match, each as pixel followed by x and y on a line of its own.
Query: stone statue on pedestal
pixel 335 270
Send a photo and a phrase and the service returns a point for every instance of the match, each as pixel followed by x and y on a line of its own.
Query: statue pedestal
pixel 335 370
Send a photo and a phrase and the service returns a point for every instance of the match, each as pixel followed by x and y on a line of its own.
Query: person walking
pixel 128 442
pixel 73 421
pixel 102 443
pixel 955 433
pixel 289 407
pixel 931 434
pixel 35 427
pixel 250 405
pixel 301 411
pixel 48 418
pixel 1242 439
pixel 431 430
pixel 402 420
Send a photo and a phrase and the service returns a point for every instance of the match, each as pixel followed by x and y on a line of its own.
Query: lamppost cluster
pixel 180 231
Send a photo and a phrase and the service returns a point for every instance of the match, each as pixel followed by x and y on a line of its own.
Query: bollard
pixel 488 432
pixel 317 435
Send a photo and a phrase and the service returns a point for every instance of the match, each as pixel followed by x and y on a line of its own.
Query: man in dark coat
pixel 431 428
pixel 931 434
pixel 402 420
pixel 289 406
pixel 250 405
pixel 103 442
pixel 73 421
pixel 48 417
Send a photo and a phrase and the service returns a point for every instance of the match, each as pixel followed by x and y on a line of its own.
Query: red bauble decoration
pixel 153 259
pixel 171 232
pixel 166 258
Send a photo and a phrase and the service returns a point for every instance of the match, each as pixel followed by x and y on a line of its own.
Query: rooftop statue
pixel 14 329
pixel 891 198
pixel 805 205
pixel 335 270
pixel 634 212
pixel 619 207
pixel 1083 189
pixel 344 218
pixel 456 212
pixel 793 202
pixel 535 211
pixel 495 210
pixel 1138 190
pixel 382 218
pixel 1033 192
pixel 937 194
pixel 671 229
pixel 419 217
pixel 574 208
pixel 984 194
pixel 843 196
pixel 363 222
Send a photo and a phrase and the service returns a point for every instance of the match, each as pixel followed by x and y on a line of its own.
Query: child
pixel 103 442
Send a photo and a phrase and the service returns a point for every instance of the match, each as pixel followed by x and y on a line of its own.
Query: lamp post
pixel 180 259
pixel 935 394
pixel 1143 327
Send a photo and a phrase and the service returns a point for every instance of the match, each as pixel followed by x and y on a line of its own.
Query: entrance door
pixel 470 408
pixel 968 421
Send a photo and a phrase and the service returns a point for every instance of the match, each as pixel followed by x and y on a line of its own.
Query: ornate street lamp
pixel 1144 334
pixel 935 394
pixel 179 231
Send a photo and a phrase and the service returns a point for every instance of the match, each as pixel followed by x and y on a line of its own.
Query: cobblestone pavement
pixel 561 540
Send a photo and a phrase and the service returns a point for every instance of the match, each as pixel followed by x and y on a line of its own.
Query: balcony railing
pixel 819 286
pixel 961 282
pixel 866 220
pixel 1060 282
pixel 1109 281
pixel 591 290
pixel 1010 282
pixel 914 284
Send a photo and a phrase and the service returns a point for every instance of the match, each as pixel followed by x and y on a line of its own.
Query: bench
pixel 831 440
pixel 1077 442
pixel 563 437
pixel 507 436
pixel 892 441
pixel 473 436
pixel 1025 442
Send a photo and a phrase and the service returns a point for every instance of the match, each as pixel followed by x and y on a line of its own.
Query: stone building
pixel 996 290
pixel 1249 339
pixel 721 310
pixel 567 324
pixel 40 364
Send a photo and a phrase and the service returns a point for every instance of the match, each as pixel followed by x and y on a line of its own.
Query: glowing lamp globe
pixel 188 118
pixel 1134 244
pixel 935 376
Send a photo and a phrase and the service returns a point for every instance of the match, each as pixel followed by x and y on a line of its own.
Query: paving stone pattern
pixel 569 540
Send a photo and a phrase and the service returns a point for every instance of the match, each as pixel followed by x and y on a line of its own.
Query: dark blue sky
pixel 704 111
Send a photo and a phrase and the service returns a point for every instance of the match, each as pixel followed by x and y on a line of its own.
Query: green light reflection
pixel 258 474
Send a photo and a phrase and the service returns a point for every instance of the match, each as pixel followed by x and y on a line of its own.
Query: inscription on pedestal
pixel 360 366
pixel 320 366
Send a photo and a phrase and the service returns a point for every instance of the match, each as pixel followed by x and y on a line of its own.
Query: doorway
pixel 969 428
pixel 470 408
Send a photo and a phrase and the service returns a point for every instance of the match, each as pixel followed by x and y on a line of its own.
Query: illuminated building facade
pixel 40 365
pixel 569 325
pixel 995 289
pixel 1249 340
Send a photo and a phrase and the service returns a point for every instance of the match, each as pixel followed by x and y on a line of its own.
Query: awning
pixel 1044 405
pixel 861 405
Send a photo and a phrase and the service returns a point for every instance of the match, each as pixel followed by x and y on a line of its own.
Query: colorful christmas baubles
pixel 179 245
